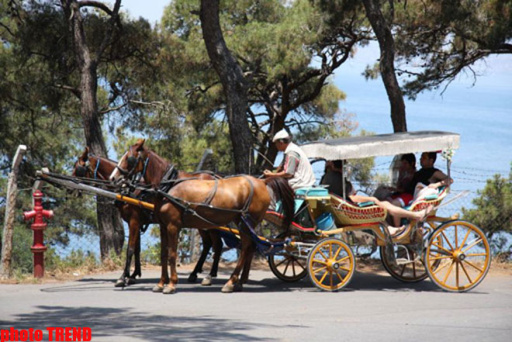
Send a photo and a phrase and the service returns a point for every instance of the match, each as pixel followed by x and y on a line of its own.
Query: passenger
pixel 295 166
pixel 428 177
pixel 333 177
pixel 403 193
pixel 393 210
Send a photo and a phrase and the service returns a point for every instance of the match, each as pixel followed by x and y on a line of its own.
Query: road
pixel 374 307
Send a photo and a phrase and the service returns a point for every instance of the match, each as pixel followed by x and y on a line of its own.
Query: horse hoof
pixel 130 281
pixel 169 290
pixel 238 287
pixel 207 281
pixel 158 288
pixel 120 283
pixel 228 288
pixel 192 278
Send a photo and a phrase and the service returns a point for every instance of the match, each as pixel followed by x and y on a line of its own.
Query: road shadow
pixel 110 322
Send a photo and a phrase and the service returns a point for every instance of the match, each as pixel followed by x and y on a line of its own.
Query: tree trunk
pixel 233 82
pixel 387 63
pixel 110 226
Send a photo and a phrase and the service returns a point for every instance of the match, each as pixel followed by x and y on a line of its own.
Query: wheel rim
pixel 463 259
pixel 287 267
pixel 331 264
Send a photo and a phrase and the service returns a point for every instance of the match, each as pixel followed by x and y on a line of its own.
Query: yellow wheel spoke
pixel 320 262
pixel 332 279
pixel 337 252
pixel 323 277
pixel 441 257
pixel 457 273
pixel 340 277
pixel 442 248
pixel 343 259
pixel 442 267
pixel 455 236
pixel 449 271
pixel 319 269
pixel 466 272
pixel 345 269
pixel 330 250
pixel 446 239
pixel 477 241
pixel 477 254
pixel 474 266
pixel 465 238
pixel 320 251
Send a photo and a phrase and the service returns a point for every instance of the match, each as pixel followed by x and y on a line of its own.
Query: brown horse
pixel 206 204
pixel 95 167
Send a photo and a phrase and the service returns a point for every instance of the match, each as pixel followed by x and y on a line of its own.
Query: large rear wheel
pixel 331 264
pixel 462 259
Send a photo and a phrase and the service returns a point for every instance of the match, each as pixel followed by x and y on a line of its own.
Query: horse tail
pixel 284 192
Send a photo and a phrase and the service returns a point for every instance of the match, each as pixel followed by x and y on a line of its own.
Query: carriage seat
pixel 348 213
pixel 431 199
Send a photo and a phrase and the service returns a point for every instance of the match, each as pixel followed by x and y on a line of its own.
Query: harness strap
pixel 210 197
pixel 97 167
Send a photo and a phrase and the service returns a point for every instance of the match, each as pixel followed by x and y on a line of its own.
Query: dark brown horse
pixel 95 167
pixel 206 204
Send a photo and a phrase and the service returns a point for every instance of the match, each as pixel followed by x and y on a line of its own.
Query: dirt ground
pixel 364 266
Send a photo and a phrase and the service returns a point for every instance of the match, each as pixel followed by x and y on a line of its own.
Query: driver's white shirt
pixel 303 175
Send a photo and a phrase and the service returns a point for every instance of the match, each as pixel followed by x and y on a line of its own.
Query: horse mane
pixel 283 191
pixel 157 166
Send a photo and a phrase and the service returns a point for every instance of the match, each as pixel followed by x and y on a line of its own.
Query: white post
pixel 12 189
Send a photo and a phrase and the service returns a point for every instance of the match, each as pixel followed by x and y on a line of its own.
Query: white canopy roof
pixel 381 145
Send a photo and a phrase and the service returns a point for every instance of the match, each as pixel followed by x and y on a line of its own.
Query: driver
pixel 295 166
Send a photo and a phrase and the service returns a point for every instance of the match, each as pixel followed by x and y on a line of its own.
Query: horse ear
pixel 140 144
pixel 85 155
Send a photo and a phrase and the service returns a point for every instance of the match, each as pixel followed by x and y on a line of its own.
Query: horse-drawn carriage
pixel 325 229
pixel 455 254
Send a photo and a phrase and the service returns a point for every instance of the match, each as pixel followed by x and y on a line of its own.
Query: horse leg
pixel 217 252
pixel 164 277
pixel 172 243
pixel 137 271
pixel 247 266
pixel 133 231
pixel 207 244
pixel 233 283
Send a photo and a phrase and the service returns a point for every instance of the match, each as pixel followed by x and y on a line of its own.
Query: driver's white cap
pixel 282 134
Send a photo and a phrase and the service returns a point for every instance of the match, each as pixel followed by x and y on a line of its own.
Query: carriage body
pixel 454 254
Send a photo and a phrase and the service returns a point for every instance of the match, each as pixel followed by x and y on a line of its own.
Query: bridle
pixel 83 170
pixel 132 164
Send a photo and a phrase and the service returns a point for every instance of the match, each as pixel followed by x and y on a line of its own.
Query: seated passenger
pixel 333 177
pixel 393 210
pixel 428 179
pixel 403 192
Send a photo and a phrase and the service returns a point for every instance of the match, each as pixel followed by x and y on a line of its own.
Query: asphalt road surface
pixel 374 307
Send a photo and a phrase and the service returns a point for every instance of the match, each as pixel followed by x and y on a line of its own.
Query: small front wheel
pixel 462 259
pixel 287 266
pixel 331 264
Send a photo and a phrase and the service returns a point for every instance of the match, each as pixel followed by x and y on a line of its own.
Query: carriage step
pixel 403 261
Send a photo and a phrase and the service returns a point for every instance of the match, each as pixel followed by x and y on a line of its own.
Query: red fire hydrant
pixel 38 226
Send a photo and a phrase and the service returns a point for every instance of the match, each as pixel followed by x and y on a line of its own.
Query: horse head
pixel 82 167
pixel 133 162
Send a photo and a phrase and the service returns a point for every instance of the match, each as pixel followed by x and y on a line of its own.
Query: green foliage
pixel 437 40
pixel 493 207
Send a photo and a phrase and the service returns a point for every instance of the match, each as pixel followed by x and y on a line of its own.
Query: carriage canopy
pixel 381 145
